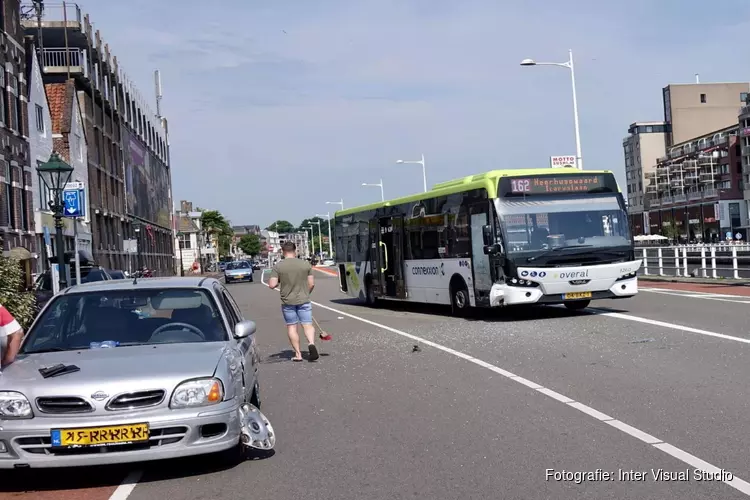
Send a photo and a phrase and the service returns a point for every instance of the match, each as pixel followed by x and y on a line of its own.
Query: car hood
pixel 113 369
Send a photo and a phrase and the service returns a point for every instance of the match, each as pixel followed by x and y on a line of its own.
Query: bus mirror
pixel 487 235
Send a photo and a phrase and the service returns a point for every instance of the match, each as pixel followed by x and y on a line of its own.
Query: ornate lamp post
pixel 179 243
pixel 55 174
pixel 137 230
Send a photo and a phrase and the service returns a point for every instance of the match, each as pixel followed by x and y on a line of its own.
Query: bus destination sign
pixel 559 184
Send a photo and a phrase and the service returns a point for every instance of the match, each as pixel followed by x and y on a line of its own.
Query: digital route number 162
pixel 520 185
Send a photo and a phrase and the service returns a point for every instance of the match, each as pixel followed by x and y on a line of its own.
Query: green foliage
pixel 281 226
pixel 20 303
pixel 670 231
pixel 217 226
pixel 250 244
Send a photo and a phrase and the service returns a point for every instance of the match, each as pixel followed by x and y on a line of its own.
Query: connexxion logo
pixel 428 270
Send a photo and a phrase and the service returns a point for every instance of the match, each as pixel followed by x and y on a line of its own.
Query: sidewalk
pixel 696 281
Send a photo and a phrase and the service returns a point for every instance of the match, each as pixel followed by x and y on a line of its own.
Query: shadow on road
pixel 509 314
pixel 287 355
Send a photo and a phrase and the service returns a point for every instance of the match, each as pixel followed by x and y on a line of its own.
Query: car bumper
pixel 509 295
pixel 173 433
pixel 237 279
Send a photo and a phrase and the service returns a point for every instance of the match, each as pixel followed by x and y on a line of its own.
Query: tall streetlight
pixel 327 215
pixel 55 174
pixel 569 65
pixel 137 231
pixel 312 237
pixel 341 202
pixel 380 185
pixel 417 162
pixel 320 235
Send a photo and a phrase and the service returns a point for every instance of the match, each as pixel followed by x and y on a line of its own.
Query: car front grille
pixel 139 399
pixel 63 405
pixel 41 445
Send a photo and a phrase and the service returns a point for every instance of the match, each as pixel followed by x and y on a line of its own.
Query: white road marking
pixel 735 482
pixel 127 486
pixel 737 299
pixel 664 324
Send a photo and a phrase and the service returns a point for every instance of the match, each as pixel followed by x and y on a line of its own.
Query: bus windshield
pixel 555 228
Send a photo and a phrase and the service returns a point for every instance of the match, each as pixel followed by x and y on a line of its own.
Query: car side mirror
pixel 244 329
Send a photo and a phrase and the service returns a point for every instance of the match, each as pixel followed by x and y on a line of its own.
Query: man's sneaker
pixel 313 352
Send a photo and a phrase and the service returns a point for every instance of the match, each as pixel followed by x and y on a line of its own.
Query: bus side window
pixel 415 243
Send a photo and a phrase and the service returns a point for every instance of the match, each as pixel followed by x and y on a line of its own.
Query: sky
pixel 277 106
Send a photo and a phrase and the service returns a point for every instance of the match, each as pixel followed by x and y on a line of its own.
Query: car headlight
pixel 198 392
pixel 14 405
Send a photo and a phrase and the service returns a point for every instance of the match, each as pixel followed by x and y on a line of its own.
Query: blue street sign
pixel 75 202
pixel 47 239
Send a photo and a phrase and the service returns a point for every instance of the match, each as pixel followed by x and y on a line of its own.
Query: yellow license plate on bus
pixel 577 295
pixel 100 436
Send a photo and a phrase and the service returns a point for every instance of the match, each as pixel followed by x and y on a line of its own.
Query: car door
pixel 247 346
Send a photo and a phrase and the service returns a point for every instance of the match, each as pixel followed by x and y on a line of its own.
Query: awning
pixel 20 253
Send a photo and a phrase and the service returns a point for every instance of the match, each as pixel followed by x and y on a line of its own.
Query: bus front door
pixel 480 262
pixel 376 259
pixel 392 256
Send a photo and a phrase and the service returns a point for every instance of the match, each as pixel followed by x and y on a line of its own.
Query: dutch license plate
pixel 577 295
pixel 100 436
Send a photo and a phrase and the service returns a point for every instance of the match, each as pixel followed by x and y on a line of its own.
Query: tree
pixel 20 303
pixel 312 222
pixel 217 226
pixel 281 226
pixel 250 244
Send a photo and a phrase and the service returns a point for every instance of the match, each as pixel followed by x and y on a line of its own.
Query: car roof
pixel 144 283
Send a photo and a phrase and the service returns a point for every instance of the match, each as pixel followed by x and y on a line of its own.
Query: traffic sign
pixel 74 196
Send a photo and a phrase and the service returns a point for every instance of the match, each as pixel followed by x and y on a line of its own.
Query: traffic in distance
pixel 505 237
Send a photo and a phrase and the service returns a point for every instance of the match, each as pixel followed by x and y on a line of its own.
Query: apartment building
pixel 642 147
pixel 17 227
pixel 301 241
pixel 695 193
pixel 129 183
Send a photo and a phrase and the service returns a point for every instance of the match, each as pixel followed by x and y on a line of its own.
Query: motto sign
pixel 562 161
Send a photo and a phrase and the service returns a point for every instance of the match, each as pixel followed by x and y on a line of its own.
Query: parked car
pixel 116 275
pixel 43 291
pixel 329 263
pixel 121 371
pixel 238 271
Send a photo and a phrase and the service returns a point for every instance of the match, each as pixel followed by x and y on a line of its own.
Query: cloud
pixel 277 107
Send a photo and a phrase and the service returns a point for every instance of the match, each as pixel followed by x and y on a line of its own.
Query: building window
pixel 8 192
pixel 703 98
pixel 184 241
pixel 743 97
pixel 45 196
pixel 39 119
pixel 649 129
pixel 24 207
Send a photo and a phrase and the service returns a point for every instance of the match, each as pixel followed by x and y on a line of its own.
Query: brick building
pixel 129 181
pixel 16 209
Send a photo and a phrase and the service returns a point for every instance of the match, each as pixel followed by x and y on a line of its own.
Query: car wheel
pixel 459 299
pixel 578 305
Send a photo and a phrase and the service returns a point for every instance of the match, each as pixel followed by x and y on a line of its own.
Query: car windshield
pixel 238 265
pixel 536 226
pixel 126 318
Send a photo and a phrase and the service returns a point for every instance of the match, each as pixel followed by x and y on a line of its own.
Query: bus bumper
pixel 504 295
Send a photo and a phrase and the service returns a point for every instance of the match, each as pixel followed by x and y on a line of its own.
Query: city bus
pixel 501 238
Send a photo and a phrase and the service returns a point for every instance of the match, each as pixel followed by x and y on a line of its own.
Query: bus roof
pixel 488 180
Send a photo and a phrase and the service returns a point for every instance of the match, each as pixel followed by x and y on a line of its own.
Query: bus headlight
pixel 520 282
pixel 628 276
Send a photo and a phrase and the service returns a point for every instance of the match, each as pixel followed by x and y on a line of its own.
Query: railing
pixel 53 12
pixel 696 261
pixel 56 58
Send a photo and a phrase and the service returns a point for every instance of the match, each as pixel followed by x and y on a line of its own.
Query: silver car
pixel 238 271
pixel 129 371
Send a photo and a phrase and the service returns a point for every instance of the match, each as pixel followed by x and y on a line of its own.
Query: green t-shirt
pixel 292 275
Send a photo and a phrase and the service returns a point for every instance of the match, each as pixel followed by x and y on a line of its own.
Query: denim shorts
pixel 297 314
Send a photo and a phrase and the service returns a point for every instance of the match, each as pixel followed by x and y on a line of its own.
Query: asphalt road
pixel 482 409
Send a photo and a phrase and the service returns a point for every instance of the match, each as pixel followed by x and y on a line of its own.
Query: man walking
pixel 296 279
pixel 10 337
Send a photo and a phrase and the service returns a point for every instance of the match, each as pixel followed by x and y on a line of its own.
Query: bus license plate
pixel 577 295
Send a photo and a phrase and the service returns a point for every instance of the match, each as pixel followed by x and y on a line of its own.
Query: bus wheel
pixel 577 305
pixel 459 299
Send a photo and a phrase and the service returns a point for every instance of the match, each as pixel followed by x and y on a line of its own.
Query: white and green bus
pixel 506 237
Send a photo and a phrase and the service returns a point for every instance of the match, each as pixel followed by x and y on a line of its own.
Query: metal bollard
pixel 677 262
pixel 703 262
pixel 734 263
pixel 685 261
pixel 713 262
pixel 645 262
pixel 661 262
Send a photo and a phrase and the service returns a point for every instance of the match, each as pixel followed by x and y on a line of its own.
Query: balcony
pixel 54 15
pixel 54 61
pixel 651 189
pixel 710 193
pixel 679 198
pixel 694 195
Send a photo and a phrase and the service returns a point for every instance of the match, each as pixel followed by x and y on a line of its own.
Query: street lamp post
pixel 568 64
pixel 330 235
pixel 137 231
pixel 380 185
pixel 341 202
pixel 312 237
pixel 179 244
pixel 424 169
pixel 320 235
pixel 55 174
